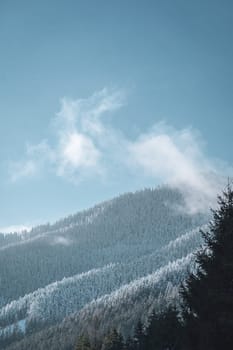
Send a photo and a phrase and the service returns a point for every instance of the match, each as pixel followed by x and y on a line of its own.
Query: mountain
pixel 108 265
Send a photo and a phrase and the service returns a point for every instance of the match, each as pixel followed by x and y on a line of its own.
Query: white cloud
pixel 161 155
pixel 77 153
pixel 84 145
pixel 176 157
pixel 36 156
pixel 61 241
pixel 78 131
pixel 85 115
pixel 15 228
pixel 79 150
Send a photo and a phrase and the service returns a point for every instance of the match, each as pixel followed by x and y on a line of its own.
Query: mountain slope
pixel 78 263
pixel 132 224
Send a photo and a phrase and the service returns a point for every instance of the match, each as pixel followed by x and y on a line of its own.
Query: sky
pixel 98 98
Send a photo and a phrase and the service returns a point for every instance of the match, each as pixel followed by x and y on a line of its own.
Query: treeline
pixel 120 230
pixel 110 258
pixel 59 299
pixel 204 320
pixel 162 331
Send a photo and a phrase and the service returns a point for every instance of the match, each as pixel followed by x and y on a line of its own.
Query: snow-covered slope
pixel 133 249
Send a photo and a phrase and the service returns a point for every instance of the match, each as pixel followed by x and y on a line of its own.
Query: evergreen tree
pixel 83 343
pixel 208 293
pixel 129 344
pixel 164 330
pixel 113 341
pixel 139 337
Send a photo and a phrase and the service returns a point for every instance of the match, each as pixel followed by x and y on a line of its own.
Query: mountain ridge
pixel 65 267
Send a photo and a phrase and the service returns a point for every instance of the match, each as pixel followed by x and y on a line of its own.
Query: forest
pixel 173 291
pixel 203 319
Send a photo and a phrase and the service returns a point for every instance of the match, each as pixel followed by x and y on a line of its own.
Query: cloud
pixel 60 240
pixel 79 151
pixel 36 156
pixel 78 131
pixel 86 145
pixel 176 157
pixel 15 228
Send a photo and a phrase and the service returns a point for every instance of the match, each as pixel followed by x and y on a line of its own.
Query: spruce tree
pixel 208 293
pixel 164 330
pixel 83 343
pixel 139 337
pixel 129 344
pixel 113 341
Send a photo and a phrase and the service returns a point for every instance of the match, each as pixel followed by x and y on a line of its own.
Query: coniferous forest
pixel 178 297
pixel 204 317
pixel 100 269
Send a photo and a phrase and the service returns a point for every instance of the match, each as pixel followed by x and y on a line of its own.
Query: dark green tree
pixel 164 330
pixel 83 343
pixel 113 341
pixel 139 337
pixel 129 344
pixel 208 293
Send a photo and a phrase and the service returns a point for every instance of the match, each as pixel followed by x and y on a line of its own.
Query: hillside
pixel 132 250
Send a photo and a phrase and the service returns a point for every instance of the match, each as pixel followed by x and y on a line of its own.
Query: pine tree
pixel 113 341
pixel 208 293
pixel 83 343
pixel 129 344
pixel 164 330
pixel 139 337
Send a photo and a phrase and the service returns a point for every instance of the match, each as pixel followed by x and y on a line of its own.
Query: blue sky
pixel 103 97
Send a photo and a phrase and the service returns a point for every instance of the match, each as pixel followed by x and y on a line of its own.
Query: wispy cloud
pixel 176 157
pixel 36 157
pixel 79 131
pixel 60 240
pixel 86 145
pixel 15 228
